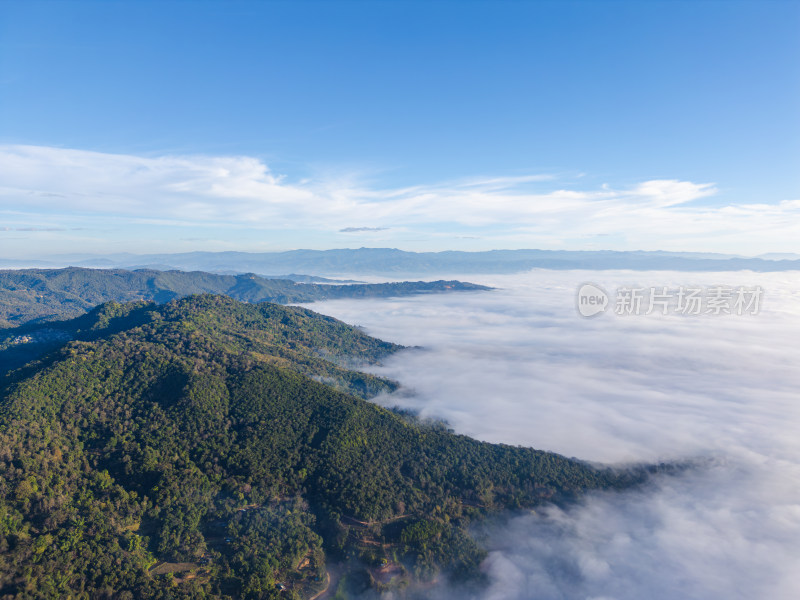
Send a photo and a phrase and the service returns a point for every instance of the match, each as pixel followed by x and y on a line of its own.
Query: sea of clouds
pixel 519 365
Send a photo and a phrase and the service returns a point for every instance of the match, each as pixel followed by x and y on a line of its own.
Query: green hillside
pixel 207 448
pixel 48 294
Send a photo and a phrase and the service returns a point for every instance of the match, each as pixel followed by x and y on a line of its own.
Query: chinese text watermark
pixel 684 300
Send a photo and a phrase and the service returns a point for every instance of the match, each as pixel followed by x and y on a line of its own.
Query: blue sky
pixel 173 126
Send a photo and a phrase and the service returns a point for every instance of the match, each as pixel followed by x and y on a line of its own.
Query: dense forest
pixel 207 448
pixel 47 294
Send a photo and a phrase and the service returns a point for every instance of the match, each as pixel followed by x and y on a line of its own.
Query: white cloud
pixel 187 188
pixel 527 211
pixel 669 192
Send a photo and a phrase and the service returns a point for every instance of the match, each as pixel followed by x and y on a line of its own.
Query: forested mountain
pixel 207 448
pixel 46 294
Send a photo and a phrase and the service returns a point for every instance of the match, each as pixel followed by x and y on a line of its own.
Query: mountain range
pixel 208 448
pixel 46 294
pixel 390 261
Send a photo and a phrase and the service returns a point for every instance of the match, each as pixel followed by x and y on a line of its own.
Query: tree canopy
pixel 207 448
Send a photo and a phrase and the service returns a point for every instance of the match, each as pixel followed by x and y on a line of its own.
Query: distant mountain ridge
pixel 390 261
pixel 46 294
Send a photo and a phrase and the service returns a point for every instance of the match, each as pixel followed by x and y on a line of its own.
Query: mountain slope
pixel 193 438
pixel 46 294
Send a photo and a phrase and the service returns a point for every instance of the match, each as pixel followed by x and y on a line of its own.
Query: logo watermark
pixel 593 300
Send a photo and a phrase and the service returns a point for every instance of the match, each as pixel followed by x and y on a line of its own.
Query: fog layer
pixel 519 365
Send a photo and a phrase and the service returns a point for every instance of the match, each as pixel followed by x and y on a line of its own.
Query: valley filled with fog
pixel 519 365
